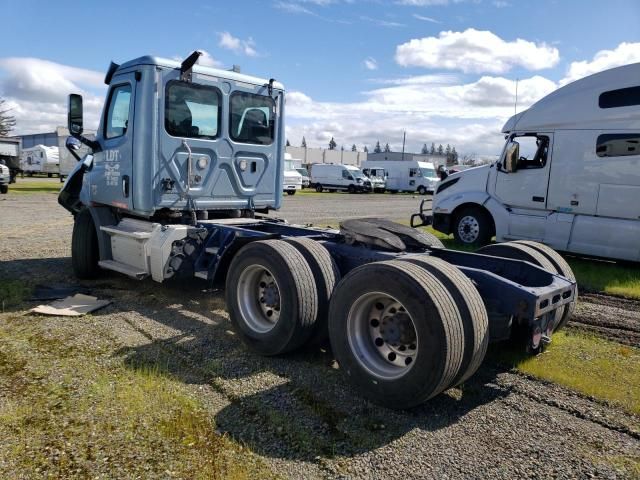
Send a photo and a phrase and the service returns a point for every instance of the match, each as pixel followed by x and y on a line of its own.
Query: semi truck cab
pixel 567 176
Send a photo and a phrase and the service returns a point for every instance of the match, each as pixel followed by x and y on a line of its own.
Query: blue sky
pixel 358 70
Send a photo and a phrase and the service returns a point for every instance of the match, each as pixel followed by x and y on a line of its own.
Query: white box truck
pixel 568 176
pixel 406 175
pixel 40 159
pixel 328 176
pixel 292 181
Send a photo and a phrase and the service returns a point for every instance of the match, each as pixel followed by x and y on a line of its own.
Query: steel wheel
pixel 259 298
pixel 468 229
pixel 382 335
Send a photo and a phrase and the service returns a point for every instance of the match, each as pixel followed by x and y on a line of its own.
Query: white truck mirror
pixel 511 157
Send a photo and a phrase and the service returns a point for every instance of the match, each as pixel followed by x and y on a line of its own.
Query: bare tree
pixel 7 121
pixel 332 144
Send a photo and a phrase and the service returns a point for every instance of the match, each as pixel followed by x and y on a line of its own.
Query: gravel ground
pixel 297 412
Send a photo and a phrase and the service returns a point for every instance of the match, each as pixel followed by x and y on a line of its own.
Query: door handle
pixel 538 199
pixel 125 186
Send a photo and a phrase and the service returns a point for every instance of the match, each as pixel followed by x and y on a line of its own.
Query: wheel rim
pixel 468 229
pixel 382 335
pixel 259 298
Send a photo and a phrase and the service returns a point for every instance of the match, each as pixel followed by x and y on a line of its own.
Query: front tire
pixel 4 189
pixel 473 227
pixel 85 252
pixel 291 192
pixel 271 297
pixel 422 190
pixel 351 189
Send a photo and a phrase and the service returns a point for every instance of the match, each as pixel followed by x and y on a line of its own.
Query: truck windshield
pixel 428 172
pixel 303 172
pixel 289 165
pixel 252 118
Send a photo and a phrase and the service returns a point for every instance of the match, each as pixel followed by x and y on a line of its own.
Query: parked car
pixel 5 178
pixel 306 181
pixel 406 175
pixel 328 176
pixel 568 174
pixel 378 177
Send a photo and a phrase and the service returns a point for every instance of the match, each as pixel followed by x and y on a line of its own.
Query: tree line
pixel 448 151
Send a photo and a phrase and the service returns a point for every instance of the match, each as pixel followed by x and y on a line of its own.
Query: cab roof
pixel 215 72
pixel 576 105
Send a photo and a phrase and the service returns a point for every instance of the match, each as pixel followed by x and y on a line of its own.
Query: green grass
pixel 71 408
pixel 24 186
pixel 12 293
pixel 588 364
pixel 607 277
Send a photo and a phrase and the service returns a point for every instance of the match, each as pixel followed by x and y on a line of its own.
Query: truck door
pixel 111 177
pixel 524 192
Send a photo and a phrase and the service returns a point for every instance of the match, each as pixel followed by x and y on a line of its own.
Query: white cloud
pixel 381 22
pixel 291 7
pixel 430 108
pixel 623 54
pixel 370 63
pixel 237 45
pixel 425 19
pixel 207 60
pixel 475 51
pixel 501 4
pixel 36 91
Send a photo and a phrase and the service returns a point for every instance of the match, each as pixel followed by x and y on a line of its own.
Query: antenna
pixel 515 103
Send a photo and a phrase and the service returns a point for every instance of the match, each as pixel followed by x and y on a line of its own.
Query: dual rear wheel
pixel 402 331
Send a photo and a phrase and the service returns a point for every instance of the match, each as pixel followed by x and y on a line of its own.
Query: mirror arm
pixel 92 144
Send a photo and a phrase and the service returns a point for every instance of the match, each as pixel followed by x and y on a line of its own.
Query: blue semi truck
pixel 184 167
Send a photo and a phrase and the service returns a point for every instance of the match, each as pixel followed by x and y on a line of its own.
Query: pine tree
pixel 342 147
pixel 288 144
pixel 332 144
pixel 432 150
pixel 365 149
pixel 454 155
pixel 387 148
pixel 377 148
pixel 425 149
pixel 440 150
pixel 304 143
pixel 7 121
pixel 354 148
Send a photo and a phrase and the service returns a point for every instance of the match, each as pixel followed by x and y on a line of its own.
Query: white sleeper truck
pixel 568 176
pixel 185 165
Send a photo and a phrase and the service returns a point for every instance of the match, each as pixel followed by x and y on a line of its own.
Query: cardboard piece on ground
pixel 55 292
pixel 74 306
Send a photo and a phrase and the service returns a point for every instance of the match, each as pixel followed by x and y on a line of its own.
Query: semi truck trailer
pixel 184 169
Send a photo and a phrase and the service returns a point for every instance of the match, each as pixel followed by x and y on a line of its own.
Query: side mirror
pixel 511 157
pixel 75 115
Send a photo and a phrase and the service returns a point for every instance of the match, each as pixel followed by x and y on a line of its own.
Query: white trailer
pixel 568 176
pixel 40 159
pixel 406 175
pixel 328 176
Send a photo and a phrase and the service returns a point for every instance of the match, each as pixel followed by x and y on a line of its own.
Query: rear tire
pixel 85 251
pixel 319 188
pixel 563 269
pixel 475 320
pixel 472 226
pixel 326 276
pixel 291 192
pixel 4 189
pixel 351 189
pixel 271 297
pixel 423 345
pixel 432 239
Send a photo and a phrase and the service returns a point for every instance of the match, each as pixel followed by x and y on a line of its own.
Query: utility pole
pixel 404 138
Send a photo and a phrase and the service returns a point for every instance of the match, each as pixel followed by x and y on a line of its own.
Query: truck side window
pixel 251 118
pixel 533 151
pixel 192 110
pixel 118 111
pixel 414 172
pixel 618 144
